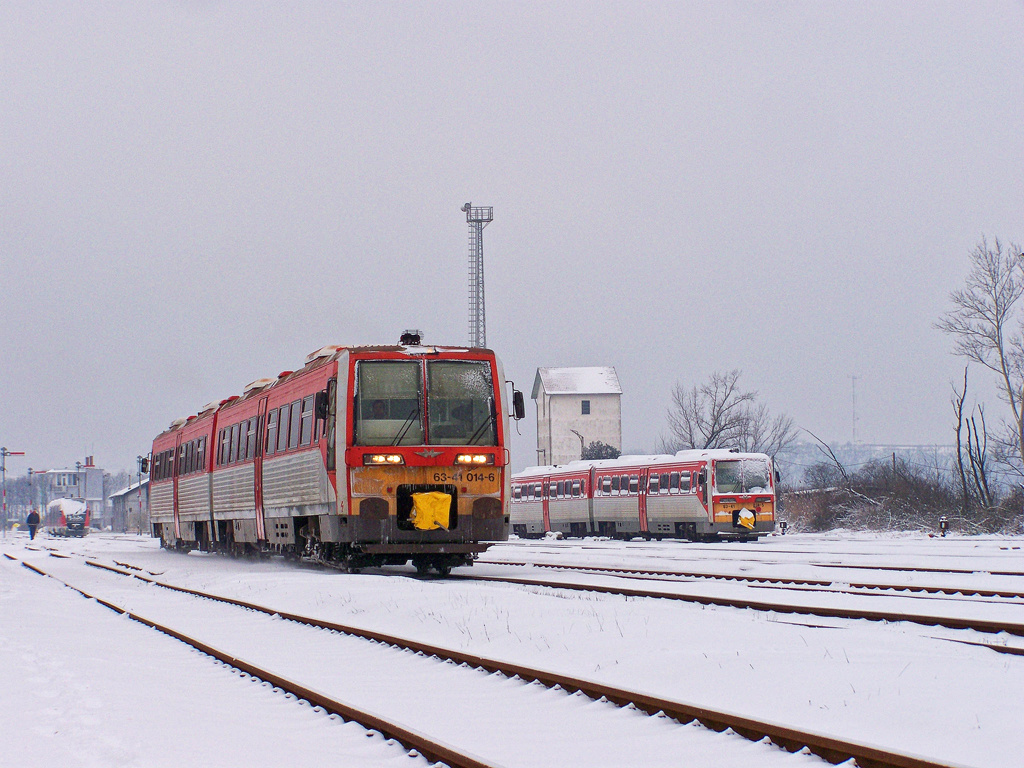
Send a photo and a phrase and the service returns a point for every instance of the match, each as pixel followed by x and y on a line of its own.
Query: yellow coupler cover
pixel 430 510
pixel 747 519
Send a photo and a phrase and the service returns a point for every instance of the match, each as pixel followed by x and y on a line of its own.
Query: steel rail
pixel 979 625
pixel 784 581
pixel 409 739
pixel 829 748
pixel 718 547
pixel 909 569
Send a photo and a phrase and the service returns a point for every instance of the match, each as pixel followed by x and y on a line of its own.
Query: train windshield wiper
pixel 413 415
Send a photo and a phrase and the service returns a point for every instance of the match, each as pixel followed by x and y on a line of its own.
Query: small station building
pixel 576 407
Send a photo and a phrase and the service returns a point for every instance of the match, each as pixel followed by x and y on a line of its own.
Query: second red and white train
pixel 696 495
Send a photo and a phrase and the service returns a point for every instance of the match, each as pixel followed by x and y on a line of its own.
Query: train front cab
pixel 430 422
pixel 743 496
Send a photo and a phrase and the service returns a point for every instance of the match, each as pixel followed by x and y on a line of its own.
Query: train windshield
pixel 388 403
pixel 742 476
pixel 460 403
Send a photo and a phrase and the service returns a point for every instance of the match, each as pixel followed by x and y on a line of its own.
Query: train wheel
pixel 422 566
pixel 444 569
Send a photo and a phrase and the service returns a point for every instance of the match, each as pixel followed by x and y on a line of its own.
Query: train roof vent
pixel 327 351
pixel 209 406
pixel 228 399
pixel 411 338
pixel 282 374
pixel 258 384
pixel 177 423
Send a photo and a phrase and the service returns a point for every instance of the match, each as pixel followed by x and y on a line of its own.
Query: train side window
pixel 634 484
pixel 652 485
pixel 202 454
pixel 517 493
pixel 561 489
pixel 673 483
pixel 296 423
pixel 306 429
pixel 684 482
pixel 225 444
pixel 271 433
pixel 233 441
pixel 577 488
pixel 552 491
pixel 250 442
pixel 614 482
pixel 583 487
pixel 282 429
pixel 538 491
pixel 606 486
pixel 624 485
pixel 664 483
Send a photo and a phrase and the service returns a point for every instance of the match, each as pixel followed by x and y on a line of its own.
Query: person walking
pixel 32 521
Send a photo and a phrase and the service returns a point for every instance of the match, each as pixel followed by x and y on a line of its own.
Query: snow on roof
pixel 129 489
pixel 587 381
pixel 640 461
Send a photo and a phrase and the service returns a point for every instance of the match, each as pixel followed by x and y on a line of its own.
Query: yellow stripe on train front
pixel 430 510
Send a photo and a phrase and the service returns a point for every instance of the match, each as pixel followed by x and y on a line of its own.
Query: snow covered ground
pixel 84 687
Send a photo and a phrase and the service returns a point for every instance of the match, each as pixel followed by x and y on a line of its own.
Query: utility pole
pixel 581 441
pixel 854 380
pixel 477 217
pixel 143 464
pixel 4 453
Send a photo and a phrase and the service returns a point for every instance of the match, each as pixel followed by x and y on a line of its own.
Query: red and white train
pixel 364 456
pixel 696 495
pixel 67 517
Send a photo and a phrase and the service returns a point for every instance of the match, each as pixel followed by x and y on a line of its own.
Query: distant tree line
pixel 984 491
pixel 897 496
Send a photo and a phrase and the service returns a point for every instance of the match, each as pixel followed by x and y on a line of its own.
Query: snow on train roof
pixel 313 360
pixel 586 381
pixel 68 506
pixel 641 460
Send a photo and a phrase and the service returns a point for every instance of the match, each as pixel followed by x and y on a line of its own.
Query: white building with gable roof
pixel 576 406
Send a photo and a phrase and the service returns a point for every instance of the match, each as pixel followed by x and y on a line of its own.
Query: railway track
pixel 829 748
pixel 772 580
pixel 411 740
pixel 715 551
pixel 949 622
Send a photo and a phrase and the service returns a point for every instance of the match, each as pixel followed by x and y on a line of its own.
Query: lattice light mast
pixel 477 217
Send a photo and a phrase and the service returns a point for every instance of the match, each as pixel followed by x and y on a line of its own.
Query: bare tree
pixel 720 414
pixel 958 409
pixel 987 330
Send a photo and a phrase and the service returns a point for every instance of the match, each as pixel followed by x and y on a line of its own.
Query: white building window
pixel 585 407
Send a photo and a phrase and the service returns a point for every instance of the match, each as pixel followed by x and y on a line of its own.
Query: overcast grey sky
pixel 197 194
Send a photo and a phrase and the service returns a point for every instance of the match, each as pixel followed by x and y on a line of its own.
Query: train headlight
pixel 475 459
pixel 377 459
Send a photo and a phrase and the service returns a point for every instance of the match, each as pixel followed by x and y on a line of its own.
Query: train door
pixel 544 501
pixel 175 469
pixel 591 492
pixel 702 486
pixel 642 498
pixel 261 428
